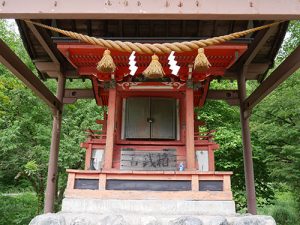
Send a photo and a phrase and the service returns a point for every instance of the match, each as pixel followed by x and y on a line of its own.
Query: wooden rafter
pixel 43 42
pixel 253 49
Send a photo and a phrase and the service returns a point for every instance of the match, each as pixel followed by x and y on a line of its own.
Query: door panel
pixel 137 113
pixel 163 115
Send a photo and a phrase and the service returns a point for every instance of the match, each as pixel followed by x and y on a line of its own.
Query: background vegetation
pixel 25 131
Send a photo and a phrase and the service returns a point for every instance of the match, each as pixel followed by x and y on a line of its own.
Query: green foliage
pixel 31 168
pixel 18 209
pixel 25 129
pixel 291 41
pixel 276 126
pixel 283 216
pixel 283 209
pixel 225 119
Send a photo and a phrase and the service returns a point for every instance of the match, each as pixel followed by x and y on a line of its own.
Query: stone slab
pixel 152 207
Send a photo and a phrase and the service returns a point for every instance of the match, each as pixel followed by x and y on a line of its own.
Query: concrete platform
pixel 148 207
pixel 84 211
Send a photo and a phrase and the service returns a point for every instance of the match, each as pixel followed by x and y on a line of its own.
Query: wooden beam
pixel 9 59
pixel 212 94
pixel 230 96
pixel 52 69
pixel 79 93
pixel 222 94
pixel 42 41
pixel 227 95
pixel 254 70
pixel 145 9
pixel 254 48
pixel 290 65
pixel 72 95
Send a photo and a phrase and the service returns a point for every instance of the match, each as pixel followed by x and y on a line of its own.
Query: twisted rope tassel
pixel 201 62
pixel 164 48
pixel 106 64
pixel 155 69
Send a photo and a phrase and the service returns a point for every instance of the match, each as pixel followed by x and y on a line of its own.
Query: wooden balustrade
pixel 207 135
pixel 168 185
pixel 95 134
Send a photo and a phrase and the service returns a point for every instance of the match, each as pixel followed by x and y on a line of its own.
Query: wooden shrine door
pixel 150 118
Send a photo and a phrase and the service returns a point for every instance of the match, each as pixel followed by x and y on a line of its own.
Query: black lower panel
pixel 210 185
pixel 149 185
pixel 91 184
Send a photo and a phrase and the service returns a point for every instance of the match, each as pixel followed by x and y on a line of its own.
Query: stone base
pixel 149 207
pixel 131 219
pixel 81 211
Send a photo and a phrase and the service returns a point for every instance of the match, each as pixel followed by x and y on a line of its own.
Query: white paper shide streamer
pixel 132 67
pixel 173 64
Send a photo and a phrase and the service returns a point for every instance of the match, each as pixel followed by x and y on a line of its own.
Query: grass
pixel 21 208
pixel 284 209
pixel 17 209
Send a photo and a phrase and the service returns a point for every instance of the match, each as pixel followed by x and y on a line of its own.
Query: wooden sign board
pixel 148 160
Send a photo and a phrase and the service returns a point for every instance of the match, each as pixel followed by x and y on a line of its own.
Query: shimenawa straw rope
pixel 164 48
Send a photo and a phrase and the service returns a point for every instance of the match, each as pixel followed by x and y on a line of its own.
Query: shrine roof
pixel 151 31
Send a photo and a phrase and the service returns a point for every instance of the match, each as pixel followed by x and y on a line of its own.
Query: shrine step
pixel 152 207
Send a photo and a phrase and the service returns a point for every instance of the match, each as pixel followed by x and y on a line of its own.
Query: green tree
pixel 276 126
pixel 225 119
pixel 25 129
pixel 276 123
pixel 292 40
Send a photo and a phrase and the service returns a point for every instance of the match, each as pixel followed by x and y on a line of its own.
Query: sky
pixel 13 25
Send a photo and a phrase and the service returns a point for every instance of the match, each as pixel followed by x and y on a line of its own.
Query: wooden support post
pixel 190 142
pixel 211 159
pixel 248 162
pixel 195 182
pixel 226 183
pixel 88 157
pixel 102 181
pixel 53 157
pixel 110 133
pixel 71 181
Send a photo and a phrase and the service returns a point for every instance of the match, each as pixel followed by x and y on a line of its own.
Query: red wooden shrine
pixel 149 144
